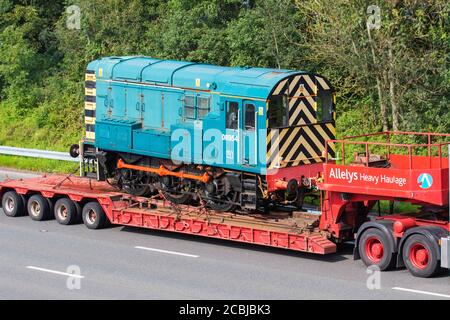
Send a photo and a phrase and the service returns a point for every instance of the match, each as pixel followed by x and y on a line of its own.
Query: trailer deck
pixel 277 229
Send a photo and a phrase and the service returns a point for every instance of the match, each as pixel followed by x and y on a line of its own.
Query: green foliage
pixel 40 165
pixel 267 35
pixel 402 67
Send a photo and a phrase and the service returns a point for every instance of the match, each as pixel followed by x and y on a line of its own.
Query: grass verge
pixel 38 164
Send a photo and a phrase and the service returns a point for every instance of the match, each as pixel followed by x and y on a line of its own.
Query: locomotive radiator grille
pixel 90 103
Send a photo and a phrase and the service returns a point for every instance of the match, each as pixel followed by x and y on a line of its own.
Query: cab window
pixel 232 115
pixel 324 106
pixel 250 116
pixel 277 113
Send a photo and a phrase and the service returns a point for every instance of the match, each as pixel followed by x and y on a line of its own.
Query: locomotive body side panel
pixel 144 105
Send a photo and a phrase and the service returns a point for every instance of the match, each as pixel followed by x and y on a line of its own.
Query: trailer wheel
pixel 13 204
pixel 420 257
pixel 39 208
pixel 375 249
pixel 66 212
pixel 93 216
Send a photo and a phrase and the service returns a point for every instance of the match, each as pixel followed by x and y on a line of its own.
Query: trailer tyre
pixel 93 216
pixel 79 212
pixel 419 256
pixel 375 249
pixel 66 212
pixel 39 208
pixel 13 204
pixel 51 204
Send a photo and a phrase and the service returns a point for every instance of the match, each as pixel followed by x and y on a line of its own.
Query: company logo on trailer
pixel 425 180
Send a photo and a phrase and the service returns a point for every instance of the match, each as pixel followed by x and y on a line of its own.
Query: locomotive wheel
pixel 133 183
pixel 181 198
pixel 223 205
pixel 173 190
pixel 136 190
pixel 221 196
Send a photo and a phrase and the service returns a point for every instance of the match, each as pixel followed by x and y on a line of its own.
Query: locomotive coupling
pixel 290 186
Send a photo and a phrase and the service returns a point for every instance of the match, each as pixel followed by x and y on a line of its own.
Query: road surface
pixel 37 258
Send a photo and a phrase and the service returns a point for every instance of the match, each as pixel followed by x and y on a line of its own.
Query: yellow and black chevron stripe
pixel 90 103
pixel 303 140
pixel 301 91
pixel 297 145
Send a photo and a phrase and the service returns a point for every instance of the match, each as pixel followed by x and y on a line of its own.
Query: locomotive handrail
pixel 390 144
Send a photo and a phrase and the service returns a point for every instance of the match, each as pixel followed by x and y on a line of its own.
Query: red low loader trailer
pixel 349 193
pixel 373 169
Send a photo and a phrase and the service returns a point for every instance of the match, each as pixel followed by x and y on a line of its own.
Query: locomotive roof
pixel 238 81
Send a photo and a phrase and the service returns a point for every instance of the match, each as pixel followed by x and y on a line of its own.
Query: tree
pixel 20 60
pixel 401 65
pixel 194 30
pixel 265 34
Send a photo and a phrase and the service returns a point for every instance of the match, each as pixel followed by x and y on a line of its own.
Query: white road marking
pixel 166 251
pixel 422 292
pixel 56 272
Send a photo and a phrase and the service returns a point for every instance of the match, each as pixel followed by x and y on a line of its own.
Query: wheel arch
pixel 3 191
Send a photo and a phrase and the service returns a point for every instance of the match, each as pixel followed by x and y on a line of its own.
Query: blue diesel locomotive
pixel 238 138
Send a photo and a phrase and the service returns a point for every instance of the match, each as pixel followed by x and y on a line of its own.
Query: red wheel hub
pixel 374 249
pixel 419 255
pixel 92 216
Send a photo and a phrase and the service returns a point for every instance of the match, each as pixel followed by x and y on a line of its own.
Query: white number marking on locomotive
pixel 229 137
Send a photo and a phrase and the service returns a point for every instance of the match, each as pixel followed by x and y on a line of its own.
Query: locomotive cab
pixel 300 121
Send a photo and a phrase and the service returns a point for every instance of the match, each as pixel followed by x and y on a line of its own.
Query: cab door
pixel 231 136
pixel 133 102
pixel 249 127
